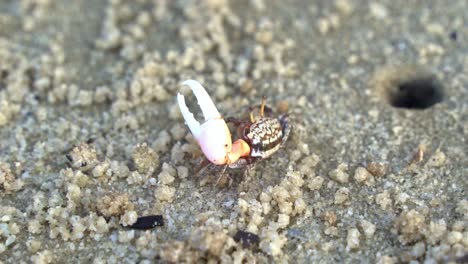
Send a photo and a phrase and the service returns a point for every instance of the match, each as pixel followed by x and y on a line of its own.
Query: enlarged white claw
pixel 207 106
pixel 190 120
pixel 204 100
pixel 213 135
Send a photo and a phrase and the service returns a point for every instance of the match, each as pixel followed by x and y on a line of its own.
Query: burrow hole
pixel 409 88
pixel 417 93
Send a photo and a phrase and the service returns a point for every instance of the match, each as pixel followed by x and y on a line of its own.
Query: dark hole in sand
pixel 3 76
pixel 247 239
pixel 417 93
pixel 453 35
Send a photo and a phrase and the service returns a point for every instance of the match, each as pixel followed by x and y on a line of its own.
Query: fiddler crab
pixel 258 138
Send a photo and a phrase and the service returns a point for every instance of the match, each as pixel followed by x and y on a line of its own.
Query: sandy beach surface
pixel 375 169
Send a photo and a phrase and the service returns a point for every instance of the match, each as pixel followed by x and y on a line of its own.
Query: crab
pixel 265 134
pixel 258 138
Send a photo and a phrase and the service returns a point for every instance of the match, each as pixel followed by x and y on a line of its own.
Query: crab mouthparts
pixel 207 106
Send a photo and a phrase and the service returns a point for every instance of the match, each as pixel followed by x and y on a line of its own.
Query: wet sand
pixel 91 137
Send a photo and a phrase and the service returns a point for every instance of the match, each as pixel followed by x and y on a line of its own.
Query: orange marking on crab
pixel 240 148
pixel 213 136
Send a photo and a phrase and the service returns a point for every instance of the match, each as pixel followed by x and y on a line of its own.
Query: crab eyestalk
pixel 213 135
